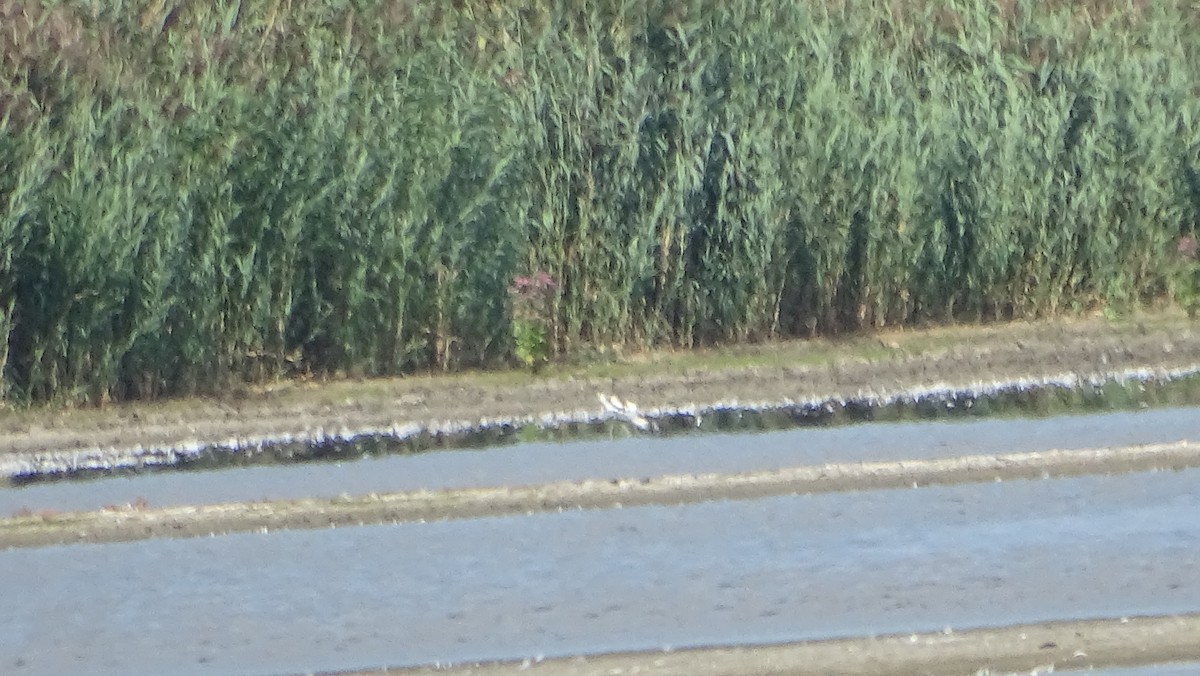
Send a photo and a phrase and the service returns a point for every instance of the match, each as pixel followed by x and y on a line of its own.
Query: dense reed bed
pixel 195 193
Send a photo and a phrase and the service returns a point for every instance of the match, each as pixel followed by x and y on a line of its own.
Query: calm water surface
pixel 768 570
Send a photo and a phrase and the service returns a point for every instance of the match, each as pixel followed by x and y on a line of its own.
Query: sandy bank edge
pixel 1027 648
pixel 946 359
pixel 130 524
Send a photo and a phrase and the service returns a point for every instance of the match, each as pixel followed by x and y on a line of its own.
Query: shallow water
pixel 621 456
pixel 1172 669
pixel 770 570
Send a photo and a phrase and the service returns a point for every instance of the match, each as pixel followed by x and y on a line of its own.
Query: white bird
pixel 625 410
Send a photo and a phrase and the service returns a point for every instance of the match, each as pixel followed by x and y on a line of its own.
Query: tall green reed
pixel 197 195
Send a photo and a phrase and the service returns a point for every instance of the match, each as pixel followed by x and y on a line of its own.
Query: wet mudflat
pixel 762 571
pixel 619 456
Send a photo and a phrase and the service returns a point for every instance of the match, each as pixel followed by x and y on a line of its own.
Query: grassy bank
pixel 196 193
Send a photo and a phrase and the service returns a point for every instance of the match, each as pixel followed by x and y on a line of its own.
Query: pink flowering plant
pixel 1185 282
pixel 532 298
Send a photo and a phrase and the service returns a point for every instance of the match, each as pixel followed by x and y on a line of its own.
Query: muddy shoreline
pixel 872 369
pixel 898 366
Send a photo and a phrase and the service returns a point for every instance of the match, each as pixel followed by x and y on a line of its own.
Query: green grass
pixel 194 195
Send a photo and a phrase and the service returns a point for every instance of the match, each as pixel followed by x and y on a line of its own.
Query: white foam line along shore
pixel 140 456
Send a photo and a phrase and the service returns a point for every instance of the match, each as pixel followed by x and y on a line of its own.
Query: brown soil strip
pixel 888 363
pixel 1025 649
pixel 134 523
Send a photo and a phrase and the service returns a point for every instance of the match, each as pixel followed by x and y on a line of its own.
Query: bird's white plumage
pixel 624 410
